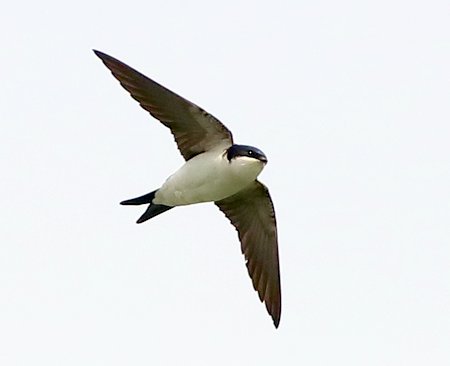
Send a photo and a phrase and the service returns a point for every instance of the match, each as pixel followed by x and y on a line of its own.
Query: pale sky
pixel 349 100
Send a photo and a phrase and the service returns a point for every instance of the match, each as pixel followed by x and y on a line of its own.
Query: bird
pixel 215 170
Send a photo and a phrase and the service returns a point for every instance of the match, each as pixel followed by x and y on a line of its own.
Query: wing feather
pixel 251 211
pixel 195 130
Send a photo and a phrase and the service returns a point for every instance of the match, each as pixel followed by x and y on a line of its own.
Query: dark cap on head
pixel 244 150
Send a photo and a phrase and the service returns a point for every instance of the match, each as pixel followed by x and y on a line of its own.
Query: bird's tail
pixel 152 209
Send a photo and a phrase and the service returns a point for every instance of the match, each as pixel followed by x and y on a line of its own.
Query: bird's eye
pixel 250 152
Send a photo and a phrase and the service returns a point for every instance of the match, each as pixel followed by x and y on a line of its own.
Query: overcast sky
pixel 350 101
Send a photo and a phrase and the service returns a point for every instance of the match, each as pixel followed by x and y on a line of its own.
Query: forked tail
pixel 152 209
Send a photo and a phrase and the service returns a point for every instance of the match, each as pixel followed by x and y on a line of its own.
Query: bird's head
pixel 246 153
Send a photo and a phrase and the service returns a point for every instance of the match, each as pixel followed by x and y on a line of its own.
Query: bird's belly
pixel 205 181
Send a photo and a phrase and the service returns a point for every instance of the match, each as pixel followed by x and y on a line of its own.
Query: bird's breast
pixel 207 177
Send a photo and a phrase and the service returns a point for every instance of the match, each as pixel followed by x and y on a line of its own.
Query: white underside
pixel 208 177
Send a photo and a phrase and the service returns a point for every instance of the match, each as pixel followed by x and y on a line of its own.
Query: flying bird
pixel 216 170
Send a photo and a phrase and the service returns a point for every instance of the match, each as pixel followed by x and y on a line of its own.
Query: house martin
pixel 216 170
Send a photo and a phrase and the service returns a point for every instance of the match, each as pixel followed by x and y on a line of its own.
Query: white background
pixel 350 102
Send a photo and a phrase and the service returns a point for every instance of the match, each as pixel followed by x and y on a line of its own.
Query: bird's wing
pixel 251 211
pixel 195 130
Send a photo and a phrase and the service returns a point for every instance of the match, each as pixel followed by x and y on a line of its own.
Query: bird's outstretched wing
pixel 251 212
pixel 195 130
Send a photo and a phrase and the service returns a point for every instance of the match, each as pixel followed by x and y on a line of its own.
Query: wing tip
pixel 103 56
pixel 273 306
pixel 275 312
pixel 98 53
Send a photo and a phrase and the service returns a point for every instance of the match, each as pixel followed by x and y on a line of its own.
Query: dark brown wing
pixel 195 130
pixel 251 212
